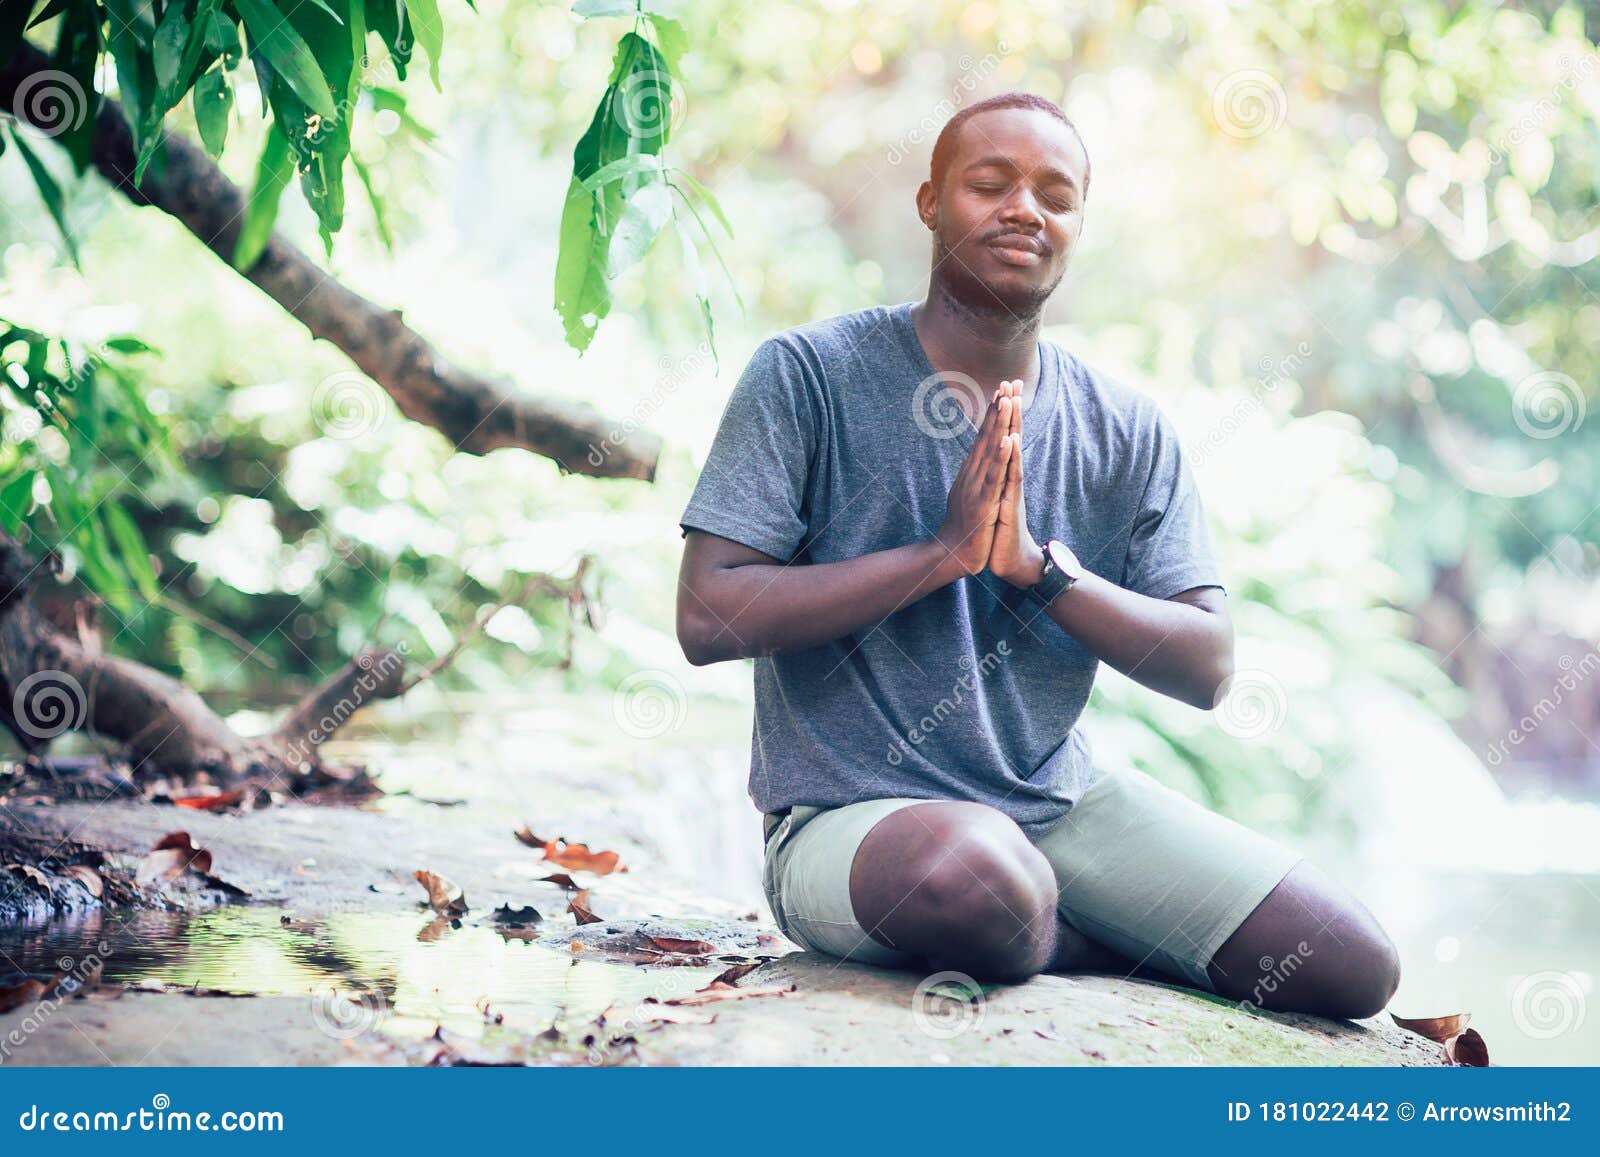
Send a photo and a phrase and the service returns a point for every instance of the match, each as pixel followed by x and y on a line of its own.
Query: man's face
pixel 1010 210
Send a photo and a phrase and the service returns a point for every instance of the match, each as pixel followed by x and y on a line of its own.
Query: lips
pixel 1017 249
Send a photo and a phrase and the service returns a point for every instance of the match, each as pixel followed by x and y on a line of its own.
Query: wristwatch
pixel 1061 570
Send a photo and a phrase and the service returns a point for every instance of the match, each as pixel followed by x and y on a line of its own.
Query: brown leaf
pixel 1435 1028
pixel 221 801
pixel 91 880
pixel 717 990
pixel 40 879
pixel 577 857
pixel 443 896
pixel 561 878
pixel 30 990
pixel 523 917
pixel 731 976
pixel 579 907
pixel 1468 1049
pixel 687 947
pixel 173 855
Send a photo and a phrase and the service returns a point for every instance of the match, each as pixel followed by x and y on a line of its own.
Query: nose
pixel 1021 210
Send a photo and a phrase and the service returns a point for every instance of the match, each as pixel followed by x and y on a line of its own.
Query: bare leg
pixel 1312 947
pixel 958 884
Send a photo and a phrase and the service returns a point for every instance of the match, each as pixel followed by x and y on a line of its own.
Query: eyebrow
pixel 1051 173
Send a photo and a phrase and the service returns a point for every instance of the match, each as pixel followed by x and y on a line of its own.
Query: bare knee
pixel 958 884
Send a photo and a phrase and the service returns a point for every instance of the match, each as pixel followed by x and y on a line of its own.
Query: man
pixel 928 572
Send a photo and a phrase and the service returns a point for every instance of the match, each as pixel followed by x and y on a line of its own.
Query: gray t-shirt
pixel 836 443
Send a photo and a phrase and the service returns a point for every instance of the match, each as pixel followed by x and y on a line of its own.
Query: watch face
pixel 1063 559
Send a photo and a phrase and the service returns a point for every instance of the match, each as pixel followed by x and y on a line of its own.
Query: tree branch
pixel 476 414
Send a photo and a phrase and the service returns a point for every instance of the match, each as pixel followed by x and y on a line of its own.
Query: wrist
pixel 944 564
pixel 1030 568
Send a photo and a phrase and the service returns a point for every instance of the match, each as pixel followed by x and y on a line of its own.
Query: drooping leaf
pixel 261 213
pixel 429 27
pixel 389 20
pixel 135 74
pixel 213 107
pixel 276 37
pixel 77 50
pixel 49 192
pixel 131 545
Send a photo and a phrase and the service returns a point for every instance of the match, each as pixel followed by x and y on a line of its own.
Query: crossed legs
pixel 960 886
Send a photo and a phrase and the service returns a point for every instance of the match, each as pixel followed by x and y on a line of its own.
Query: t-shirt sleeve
pixel 1169 550
pixel 752 488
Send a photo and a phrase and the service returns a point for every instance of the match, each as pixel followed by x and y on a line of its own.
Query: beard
pixel 977 295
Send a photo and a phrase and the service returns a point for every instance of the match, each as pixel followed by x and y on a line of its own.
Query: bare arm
pixel 1181 646
pixel 736 602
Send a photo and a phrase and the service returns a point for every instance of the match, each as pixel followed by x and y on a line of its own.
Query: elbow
pixel 1211 682
pixel 704 640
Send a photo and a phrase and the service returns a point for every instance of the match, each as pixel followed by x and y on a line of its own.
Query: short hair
pixel 944 148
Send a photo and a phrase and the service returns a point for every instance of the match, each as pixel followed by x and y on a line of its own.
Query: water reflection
pixel 371 961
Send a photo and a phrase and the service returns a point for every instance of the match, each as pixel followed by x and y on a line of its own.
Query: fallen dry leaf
pixel 91 880
pixel 1461 1045
pixel 32 873
pixel 443 896
pixel 576 857
pixel 733 975
pixel 579 907
pixel 561 878
pixel 30 990
pixel 687 947
pixel 717 990
pixel 220 801
pixel 173 855
pixel 518 917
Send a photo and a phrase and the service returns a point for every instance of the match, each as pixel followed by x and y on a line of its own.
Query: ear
pixel 928 204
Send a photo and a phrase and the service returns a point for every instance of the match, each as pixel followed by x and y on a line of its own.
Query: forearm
pixel 1171 647
pixel 742 611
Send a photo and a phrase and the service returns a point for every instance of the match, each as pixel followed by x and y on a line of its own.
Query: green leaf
pixel 425 21
pixel 287 51
pixel 272 175
pixel 135 74
pixel 395 102
pixel 625 167
pixel 49 191
pixel 647 213
pixel 131 546
pixel 213 106
pixel 697 282
pixel 16 500
pixel 77 49
pixel 379 213
pixel 389 20
pixel 171 42
pixel 222 37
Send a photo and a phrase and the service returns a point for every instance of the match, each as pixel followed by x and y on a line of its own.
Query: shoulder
pixel 819 345
pixel 1130 418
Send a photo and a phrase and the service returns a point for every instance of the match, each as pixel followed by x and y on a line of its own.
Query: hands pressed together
pixel 986 520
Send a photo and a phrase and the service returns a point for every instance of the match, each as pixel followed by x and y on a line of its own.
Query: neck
pixel 990 345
